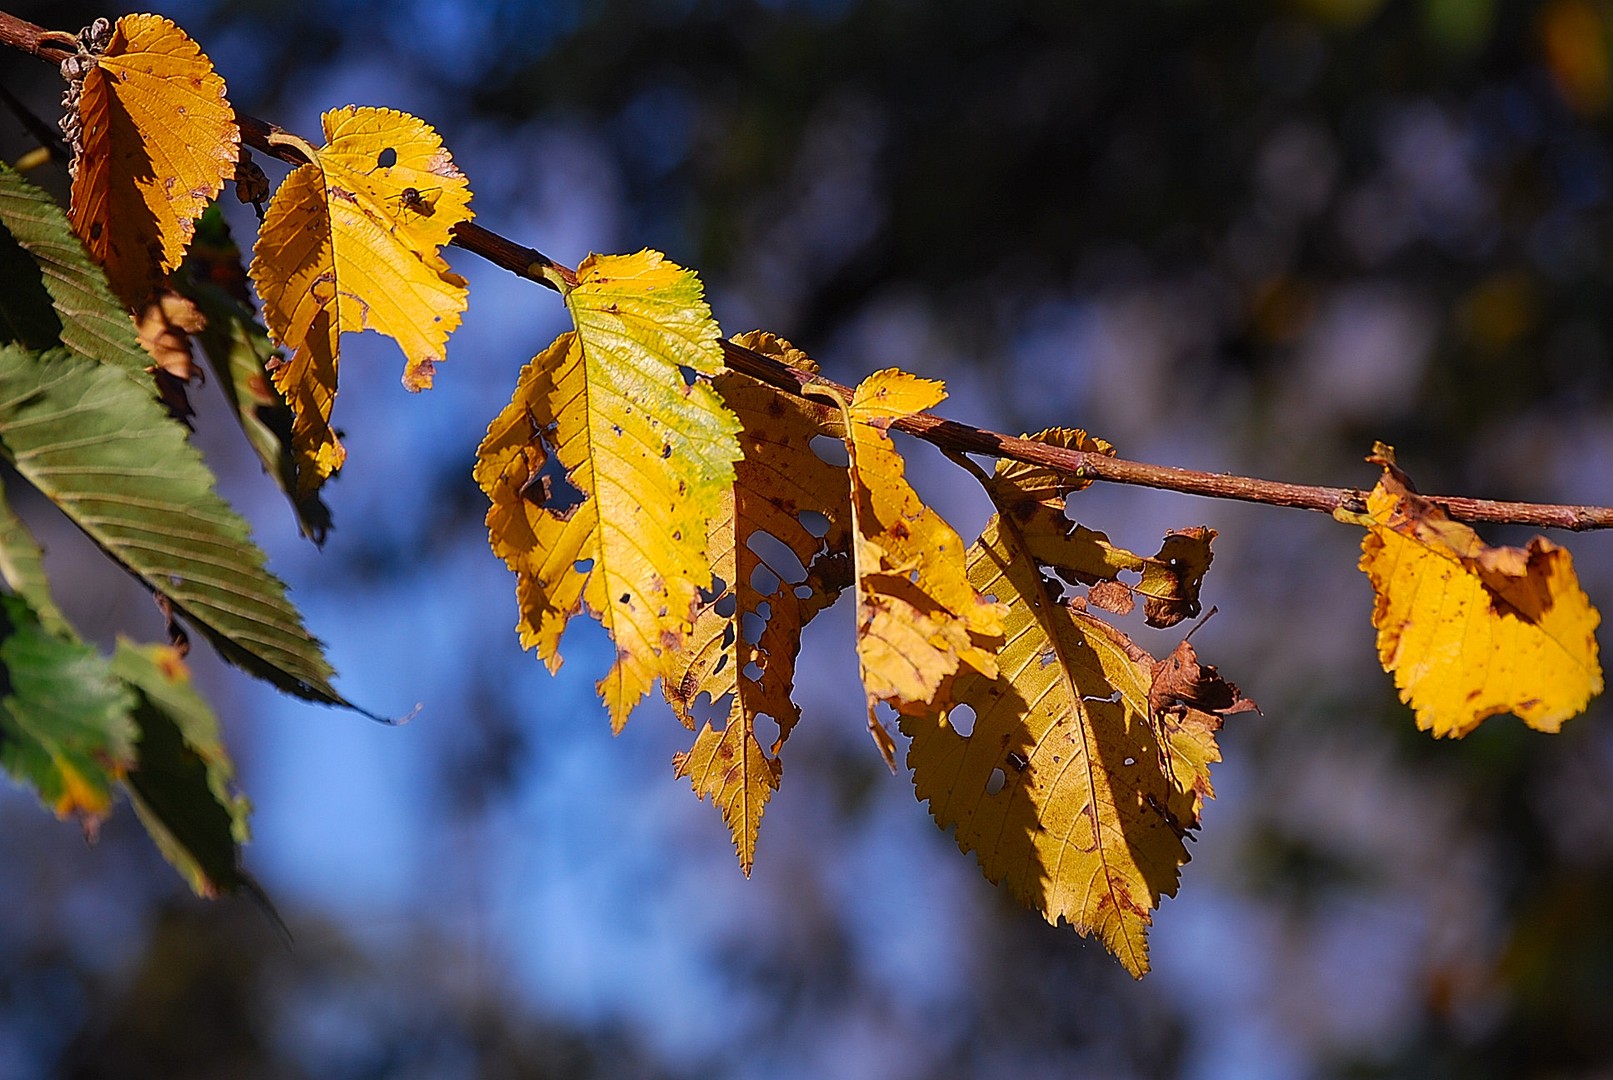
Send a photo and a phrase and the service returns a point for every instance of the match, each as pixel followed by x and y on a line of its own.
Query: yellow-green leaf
pixel 159 140
pixel 352 242
pixel 1470 630
pixel 646 458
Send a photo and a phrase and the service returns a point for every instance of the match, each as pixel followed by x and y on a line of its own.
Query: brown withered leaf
pixel 1168 582
pixel 1180 681
pixel 164 328
pixel 1188 701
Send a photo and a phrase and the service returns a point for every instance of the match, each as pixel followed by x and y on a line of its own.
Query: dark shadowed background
pixel 1249 236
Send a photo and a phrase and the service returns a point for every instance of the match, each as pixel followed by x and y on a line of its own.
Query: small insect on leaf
pixel 333 258
pixel 421 201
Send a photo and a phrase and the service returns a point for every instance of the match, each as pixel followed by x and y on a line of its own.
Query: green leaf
pixel 182 782
pixel 92 323
pixel 22 564
pixel 103 450
pixel 26 315
pixel 64 719
pixel 238 350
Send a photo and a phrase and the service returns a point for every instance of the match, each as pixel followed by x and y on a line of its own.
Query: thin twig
pixel 948 435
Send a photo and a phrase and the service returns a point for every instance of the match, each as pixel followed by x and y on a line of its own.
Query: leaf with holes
pixel 1470 630
pixel 748 654
pixel 918 617
pixel 352 242
pixel 608 466
pixel 1088 761
pixel 159 140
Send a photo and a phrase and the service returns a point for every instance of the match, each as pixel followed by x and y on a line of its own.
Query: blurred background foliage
pixel 1250 235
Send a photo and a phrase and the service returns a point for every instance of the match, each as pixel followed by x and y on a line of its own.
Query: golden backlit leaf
pixel 1087 761
pixel 1470 630
pixel 730 767
pixel 776 573
pixel 352 242
pixel 608 466
pixel 159 140
pixel 918 617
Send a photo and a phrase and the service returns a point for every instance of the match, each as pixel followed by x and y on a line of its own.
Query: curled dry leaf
pixel 1168 582
pixel 164 329
pixel 1471 630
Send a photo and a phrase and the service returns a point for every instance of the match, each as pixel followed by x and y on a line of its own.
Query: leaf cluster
pixel 642 475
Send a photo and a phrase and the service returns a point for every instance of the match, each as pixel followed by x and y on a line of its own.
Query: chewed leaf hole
pixel 962 720
pixel 753 623
pixel 830 450
pixel 995 782
pixel 766 731
pixel 777 557
pixel 763 580
pixel 550 487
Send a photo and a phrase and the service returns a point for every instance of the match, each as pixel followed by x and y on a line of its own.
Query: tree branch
pixel 948 435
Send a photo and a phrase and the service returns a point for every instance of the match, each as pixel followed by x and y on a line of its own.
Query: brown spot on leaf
pixel 1112 596
pixel 1180 680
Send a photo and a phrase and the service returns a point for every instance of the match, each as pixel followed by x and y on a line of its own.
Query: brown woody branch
pixel 948 435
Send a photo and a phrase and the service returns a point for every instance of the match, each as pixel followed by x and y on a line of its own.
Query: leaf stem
pixel 948 435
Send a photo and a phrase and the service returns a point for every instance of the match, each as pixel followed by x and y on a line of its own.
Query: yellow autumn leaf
pixel 607 467
pixel 1471 630
pixel 1088 761
pixel 352 242
pixel 159 140
pixel 918 618
pixel 748 654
